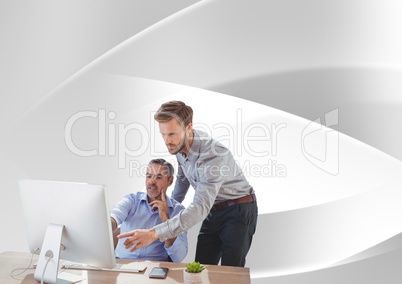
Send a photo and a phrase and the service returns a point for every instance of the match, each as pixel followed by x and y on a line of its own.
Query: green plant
pixel 194 267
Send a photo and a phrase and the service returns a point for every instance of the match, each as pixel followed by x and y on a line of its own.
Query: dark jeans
pixel 227 234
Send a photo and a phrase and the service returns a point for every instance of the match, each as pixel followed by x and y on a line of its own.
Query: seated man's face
pixel 157 181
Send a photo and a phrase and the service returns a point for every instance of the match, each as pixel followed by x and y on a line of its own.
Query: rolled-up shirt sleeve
pixel 120 212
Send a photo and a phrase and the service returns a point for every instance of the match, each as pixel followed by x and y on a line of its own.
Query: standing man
pixel 148 209
pixel 223 197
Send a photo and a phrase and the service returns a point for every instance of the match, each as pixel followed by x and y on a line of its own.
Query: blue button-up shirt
pixel 133 212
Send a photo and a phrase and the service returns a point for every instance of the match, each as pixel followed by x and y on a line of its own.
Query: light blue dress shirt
pixel 133 212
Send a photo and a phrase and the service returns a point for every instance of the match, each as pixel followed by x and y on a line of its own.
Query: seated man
pixel 144 210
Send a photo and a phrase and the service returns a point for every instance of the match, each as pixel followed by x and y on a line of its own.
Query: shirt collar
pixel 145 199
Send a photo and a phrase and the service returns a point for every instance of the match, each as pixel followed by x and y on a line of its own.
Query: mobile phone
pixel 159 272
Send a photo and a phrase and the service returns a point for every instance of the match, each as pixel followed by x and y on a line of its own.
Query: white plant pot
pixel 192 278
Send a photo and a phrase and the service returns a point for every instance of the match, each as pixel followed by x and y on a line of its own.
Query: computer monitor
pixel 69 221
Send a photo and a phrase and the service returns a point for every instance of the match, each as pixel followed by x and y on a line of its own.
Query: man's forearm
pixel 169 242
pixel 179 248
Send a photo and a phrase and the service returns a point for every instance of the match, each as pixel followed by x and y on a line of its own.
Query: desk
pixel 211 274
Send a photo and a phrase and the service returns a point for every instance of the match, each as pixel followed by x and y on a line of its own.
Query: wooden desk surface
pixel 212 273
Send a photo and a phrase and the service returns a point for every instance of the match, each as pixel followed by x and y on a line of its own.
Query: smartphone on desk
pixel 159 272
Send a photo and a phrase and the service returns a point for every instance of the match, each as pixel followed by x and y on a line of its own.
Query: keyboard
pixel 132 267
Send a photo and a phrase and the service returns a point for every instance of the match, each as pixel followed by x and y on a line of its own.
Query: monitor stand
pixel 48 262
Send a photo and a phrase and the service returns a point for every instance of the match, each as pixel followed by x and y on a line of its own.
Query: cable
pixel 47 262
pixel 24 269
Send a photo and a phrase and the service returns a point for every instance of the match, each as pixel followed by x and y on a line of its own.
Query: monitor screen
pixel 70 216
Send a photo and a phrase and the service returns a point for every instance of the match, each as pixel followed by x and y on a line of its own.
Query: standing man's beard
pixel 182 144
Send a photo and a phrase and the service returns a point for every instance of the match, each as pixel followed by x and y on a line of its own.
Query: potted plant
pixel 192 272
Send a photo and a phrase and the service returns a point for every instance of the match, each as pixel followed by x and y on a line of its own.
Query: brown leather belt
pixel 227 203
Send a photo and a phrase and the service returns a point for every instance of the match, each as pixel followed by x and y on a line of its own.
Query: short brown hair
pixel 175 109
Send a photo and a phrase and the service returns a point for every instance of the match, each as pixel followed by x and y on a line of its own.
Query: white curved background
pixel 331 218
